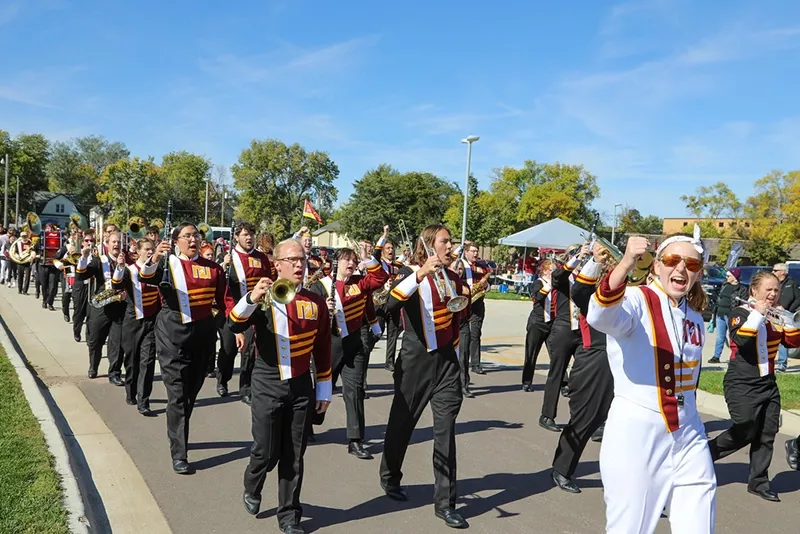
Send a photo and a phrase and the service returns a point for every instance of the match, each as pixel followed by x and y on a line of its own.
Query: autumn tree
pixel 384 196
pixel 185 176
pixel 28 155
pixel 274 179
pixel 454 215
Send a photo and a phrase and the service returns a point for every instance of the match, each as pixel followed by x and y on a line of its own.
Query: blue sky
pixel 655 97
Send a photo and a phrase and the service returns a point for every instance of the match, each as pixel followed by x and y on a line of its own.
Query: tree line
pixel 271 180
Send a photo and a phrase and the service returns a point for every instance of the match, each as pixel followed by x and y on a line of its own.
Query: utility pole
pixel 16 212
pixel 222 207
pixel 5 201
pixel 205 218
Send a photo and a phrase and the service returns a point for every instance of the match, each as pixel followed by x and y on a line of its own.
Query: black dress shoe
pixel 564 483
pixel 66 318
pixel 467 393
pixel 389 367
pixel 51 307
pixel 145 410
pixel 247 399
pixel 44 304
pixel 292 529
pixel 251 503
pixel 78 338
pixel 356 448
pixel 452 519
pixel 92 374
pixel 548 424
pixel 478 371
pixel 396 493
pixel 792 454
pixel 526 387
pixel 766 494
pixel 565 391
pixel 117 381
pixel 181 467
pixel 222 390
pixel 130 401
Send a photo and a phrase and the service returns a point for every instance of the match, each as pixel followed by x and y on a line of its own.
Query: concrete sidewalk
pixel 504 457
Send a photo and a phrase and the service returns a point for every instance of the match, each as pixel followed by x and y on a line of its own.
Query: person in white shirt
pixel 655 450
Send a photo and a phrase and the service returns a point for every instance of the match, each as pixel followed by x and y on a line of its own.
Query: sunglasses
pixel 672 260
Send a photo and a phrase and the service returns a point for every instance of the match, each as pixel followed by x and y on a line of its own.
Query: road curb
pixel 73 500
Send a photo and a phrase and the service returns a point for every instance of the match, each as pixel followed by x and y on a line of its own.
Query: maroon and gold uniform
pixel 138 333
pixel 288 336
pixel 185 337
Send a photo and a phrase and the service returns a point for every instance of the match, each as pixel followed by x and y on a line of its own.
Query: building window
pixel 685 223
pixel 59 208
pixel 721 225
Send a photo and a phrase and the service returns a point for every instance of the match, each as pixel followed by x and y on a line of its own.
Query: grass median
pixel 788 384
pixel 30 489
pixel 496 295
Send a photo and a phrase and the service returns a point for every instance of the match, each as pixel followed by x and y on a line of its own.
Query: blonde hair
pixel 285 243
pixel 758 278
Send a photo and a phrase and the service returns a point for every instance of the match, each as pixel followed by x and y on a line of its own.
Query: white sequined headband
pixel 694 240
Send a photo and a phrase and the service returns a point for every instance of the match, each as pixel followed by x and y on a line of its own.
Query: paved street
pixel 503 455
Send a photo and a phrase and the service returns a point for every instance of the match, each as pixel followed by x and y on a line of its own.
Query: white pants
pixel 4 270
pixel 645 468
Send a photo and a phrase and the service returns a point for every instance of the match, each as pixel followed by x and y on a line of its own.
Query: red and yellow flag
pixel 310 212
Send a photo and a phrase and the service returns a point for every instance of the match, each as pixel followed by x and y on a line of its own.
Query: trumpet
pixel 282 291
pixel 444 286
pixel 779 318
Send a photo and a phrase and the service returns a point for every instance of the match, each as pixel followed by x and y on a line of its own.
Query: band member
pixel 12 265
pixel 540 321
pixel 313 262
pixel 389 322
pixel 248 266
pixel 591 384
pixel 562 342
pixel 48 274
pixel 751 391
pixel 80 291
pixel 349 359
pixel 153 234
pixel 427 372
pixel 207 251
pixel 23 255
pixel 62 261
pixel 105 323
pixel 655 452
pixel 185 332
pixel 5 245
pixel 463 339
pixel 138 326
pixel 288 336
pixel 476 276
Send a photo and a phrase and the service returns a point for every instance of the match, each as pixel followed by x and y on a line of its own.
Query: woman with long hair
pixel 751 391
pixel 427 370
pixel 655 451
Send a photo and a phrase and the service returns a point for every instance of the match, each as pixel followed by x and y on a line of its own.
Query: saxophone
pixel 479 290
pixel 380 296
pixel 314 278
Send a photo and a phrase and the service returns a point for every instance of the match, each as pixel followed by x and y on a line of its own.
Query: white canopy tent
pixel 555 233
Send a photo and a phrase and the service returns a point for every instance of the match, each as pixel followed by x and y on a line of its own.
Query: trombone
pixel 444 286
pixel 779 318
pixel 401 227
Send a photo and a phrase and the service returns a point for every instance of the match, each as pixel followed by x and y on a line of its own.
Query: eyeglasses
pixel 296 259
pixel 189 237
pixel 672 260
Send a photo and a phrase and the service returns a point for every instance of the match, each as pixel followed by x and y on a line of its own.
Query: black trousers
pixel 390 326
pixel 463 352
pixel 23 277
pixel 420 378
pixel 561 344
pixel 475 329
pixel 536 335
pixel 48 276
pixel 227 355
pixel 219 324
pixel 591 388
pixel 66 297
pixel 139 346
pixel 368 340
pixel 104 328
pixel 183 359
pixel 349 361
pixel 80 295
pixel 280 413
pixel 755 410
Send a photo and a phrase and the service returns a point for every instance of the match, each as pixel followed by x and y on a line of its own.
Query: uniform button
pixel 667 379
pixel 667 367
pixel 669 392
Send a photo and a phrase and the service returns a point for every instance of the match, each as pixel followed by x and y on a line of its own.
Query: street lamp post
pixel 5 200
pixel 16 210
pixel 205 218
pixel 222 207
pixel 469 140
pixel 614 226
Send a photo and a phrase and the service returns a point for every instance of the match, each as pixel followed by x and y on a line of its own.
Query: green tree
pixel 454 215
pixel 384 196
pixel 128 188
pixel 633 222
pixel 274 179
pixel 74 167
pixel 28 156
pixel 558 190
pixel 185 176
pixel 774 208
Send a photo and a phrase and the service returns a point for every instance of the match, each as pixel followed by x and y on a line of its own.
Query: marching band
pixel 299 321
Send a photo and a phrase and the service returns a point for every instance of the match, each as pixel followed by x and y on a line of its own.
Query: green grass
pixel 496 295
pixel 30 488
pixel 788 384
